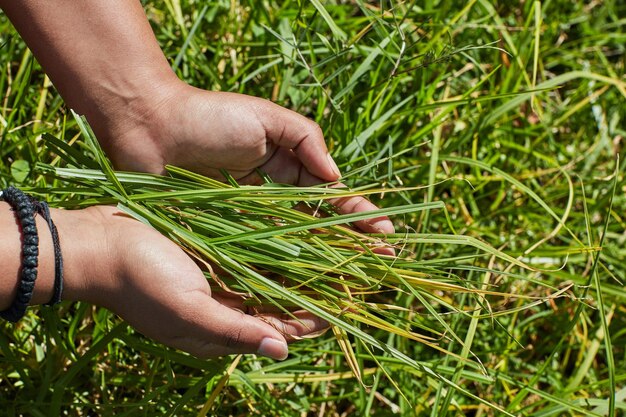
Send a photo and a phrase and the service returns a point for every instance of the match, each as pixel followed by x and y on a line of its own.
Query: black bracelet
pixel 25 212
pixel 43 209
pixel 26 207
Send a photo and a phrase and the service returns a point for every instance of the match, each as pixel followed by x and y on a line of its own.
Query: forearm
pixel 101 55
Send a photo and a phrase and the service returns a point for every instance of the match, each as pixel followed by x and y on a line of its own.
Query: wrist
pixel 131 110
pixel 88 268
pixel 14 252
pixel 89 261
pixel 130 126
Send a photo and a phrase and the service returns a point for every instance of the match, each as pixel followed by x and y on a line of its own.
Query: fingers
pixel 295 325
pixel 284 168
pixel 303 159
pixel 357 204
pixel 213 329
pixel 291 130
pixel 205 328
pixel 347 205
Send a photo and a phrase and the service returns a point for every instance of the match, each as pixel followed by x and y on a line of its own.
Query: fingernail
pixel 274 349
pixel 333 166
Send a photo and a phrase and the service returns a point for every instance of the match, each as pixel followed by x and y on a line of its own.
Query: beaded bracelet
pixel 25 209
pixel 25 212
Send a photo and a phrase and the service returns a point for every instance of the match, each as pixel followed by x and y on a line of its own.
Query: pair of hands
pixel 106 62
pixel 134 271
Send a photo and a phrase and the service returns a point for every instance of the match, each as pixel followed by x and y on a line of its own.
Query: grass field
pixel 511 116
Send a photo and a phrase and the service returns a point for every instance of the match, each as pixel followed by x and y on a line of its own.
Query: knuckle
pixel 233 337
pixel 314 130
pixel 309 134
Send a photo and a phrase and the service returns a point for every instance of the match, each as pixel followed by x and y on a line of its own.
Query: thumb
pixel 213 329
pixel 288 129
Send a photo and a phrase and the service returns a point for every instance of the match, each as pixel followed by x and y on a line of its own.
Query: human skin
pixel 116 262
pixel 105 61
pixel 103 58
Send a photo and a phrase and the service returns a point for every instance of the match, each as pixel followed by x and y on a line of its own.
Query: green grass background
pixel 511 113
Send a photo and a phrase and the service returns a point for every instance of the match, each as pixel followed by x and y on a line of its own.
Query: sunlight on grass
pixel 490 133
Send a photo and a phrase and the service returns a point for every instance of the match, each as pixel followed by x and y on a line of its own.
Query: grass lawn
pixel 496 131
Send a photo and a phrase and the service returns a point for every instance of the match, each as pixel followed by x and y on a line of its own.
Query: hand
pixel 119 263
pixel 208 131
pixel 106 63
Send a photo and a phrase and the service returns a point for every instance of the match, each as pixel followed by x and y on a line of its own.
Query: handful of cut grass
pixel 273 254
